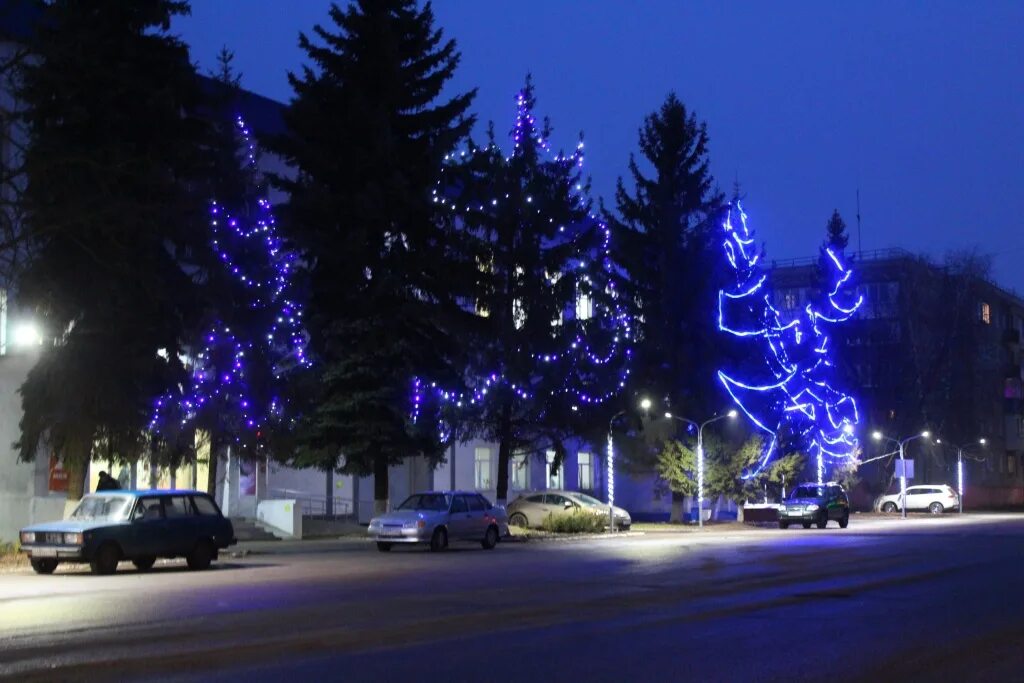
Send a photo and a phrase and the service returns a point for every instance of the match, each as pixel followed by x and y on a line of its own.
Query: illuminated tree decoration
pixel 552 337
pixel 790 388
pixel 255 334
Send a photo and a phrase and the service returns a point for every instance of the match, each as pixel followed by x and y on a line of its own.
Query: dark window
pixel 476 503
pixel 553 499
pixel 535 499
pixel 486 503
pixel 148 509
pixel 177 506
pixel 205 506
pixel 459 504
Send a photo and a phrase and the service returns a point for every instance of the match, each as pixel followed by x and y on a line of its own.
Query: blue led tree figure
pixel 551 337
pixel 791 391
pixel 253 336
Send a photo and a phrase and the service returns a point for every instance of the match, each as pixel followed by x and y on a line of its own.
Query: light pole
pixel 901 443
pixel 645 404
pixel 960 469
pixel 700 455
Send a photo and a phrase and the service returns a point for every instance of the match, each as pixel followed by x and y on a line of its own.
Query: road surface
pixel 935 599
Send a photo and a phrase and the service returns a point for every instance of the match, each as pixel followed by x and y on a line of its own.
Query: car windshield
pixel 98 508
pixel 589 500
pixel 808 492
pixel 426 501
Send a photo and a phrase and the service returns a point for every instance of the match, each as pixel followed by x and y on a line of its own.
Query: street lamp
pixel 901 443
pixel 645 404
pixel 960 469
pixel 700 455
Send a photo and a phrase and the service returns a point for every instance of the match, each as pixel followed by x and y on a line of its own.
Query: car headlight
pixel 73 539
pixel 417 524
pixel 374 522
pixel 28 537
pixel 812 507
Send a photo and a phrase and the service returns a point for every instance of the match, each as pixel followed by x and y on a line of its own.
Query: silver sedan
pixel 439 517
pixel 531 509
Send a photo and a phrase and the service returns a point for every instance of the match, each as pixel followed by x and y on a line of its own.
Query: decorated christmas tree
pixel 787 384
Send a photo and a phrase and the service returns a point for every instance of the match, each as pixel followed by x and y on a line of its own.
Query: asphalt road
pixel 930 599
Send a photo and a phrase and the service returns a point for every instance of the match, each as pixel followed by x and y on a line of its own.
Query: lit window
pixel 585 469
pixel 518 314
pixel 554 475
pixel 789 301
pixel 985 313
pixel 482 468
pixel 584 307
pixel 520 472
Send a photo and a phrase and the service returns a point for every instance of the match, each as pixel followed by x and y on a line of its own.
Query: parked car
pixel 439 517
pixel 815 504
pixel 531 509
pixel 935 498
pixel 139 526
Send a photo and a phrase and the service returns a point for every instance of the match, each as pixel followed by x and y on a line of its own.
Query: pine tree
pixel 109 160
pixel 366 135
pixel 551 339
pixel 665 230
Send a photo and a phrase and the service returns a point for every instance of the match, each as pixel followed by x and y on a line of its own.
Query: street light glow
pixel 877 436
pixel 27 334
pixel 645 404
pixel 926 433
pixel 732 413
pixel 668 416
pixel 982 441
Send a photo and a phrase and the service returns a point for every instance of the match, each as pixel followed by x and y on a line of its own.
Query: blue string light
pixel 220 373
pixel 793 389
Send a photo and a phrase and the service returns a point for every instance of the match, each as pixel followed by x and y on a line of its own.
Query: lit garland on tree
pixel 792 392
pixel 237 366
pixel 591 349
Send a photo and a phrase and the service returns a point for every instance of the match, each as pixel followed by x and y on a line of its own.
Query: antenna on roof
pixel 860 247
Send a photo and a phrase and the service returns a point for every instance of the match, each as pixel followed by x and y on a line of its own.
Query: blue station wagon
pixel 139 526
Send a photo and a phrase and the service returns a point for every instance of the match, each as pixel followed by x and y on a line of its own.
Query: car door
pixel 181 521
pixel 916 496
pixel 460 520
pixel 478 516
pixel 558 505
pixel 148 534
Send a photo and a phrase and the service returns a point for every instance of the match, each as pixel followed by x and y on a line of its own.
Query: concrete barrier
pixel 283 518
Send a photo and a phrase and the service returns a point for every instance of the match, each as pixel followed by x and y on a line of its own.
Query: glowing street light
pixel 645 405
pixel 960 468
pixel 26 335
pixel 901 444
pixel 700 455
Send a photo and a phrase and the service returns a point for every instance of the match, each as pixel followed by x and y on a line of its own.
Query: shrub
pixel 575 523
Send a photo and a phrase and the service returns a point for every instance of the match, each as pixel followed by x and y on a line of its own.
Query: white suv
pixel 933 498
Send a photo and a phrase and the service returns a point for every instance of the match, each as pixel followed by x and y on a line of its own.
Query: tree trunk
pixel 504 454
pixel 76 464
pixel 380 484
pixel 211 472
pixel 676 517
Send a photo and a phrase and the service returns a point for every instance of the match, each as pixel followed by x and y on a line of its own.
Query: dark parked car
pixel 815 504
pixel 140 526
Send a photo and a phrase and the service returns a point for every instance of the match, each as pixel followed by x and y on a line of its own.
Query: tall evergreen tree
pixel 551 339
pixel 664 230
pixel 367 135
pixel 109 160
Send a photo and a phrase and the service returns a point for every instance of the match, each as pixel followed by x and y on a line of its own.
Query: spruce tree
pixel 664 231
pixel 551 339
pixel 109 160
pixel 367 132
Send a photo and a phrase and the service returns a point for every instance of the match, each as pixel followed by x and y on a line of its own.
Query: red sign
pixel 58 476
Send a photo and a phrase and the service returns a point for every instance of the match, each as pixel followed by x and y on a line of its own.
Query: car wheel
pixel 106 559
pixel 201 556
pixel 822 520
pixel 43 565
pixel 519 519
pixel 807 525
pixel 439 541
pixel 384 547
pixel 144 564
pixel 844 521
pixel 490 538
pixel 889 507
pixel 783 525
pixel 936 508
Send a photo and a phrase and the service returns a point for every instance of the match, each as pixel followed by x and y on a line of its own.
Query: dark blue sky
pixel 918 104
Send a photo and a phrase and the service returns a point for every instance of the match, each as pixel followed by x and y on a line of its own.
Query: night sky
pixel 920 105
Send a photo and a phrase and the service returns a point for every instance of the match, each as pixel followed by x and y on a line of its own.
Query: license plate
pixel 45 552
pixel 391 534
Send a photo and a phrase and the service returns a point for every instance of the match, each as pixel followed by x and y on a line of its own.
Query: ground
pixel 925 599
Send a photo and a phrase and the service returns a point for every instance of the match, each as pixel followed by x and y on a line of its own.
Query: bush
pixel 575 523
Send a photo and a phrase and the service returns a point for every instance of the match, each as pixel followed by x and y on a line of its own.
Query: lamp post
pixel 901 444
pixel 700 455
pixel 645 404
pixel 960 470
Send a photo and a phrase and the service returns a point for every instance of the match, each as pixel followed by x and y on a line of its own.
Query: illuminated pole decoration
pixel 554 335
pixel 791 388
pixel 700 454
pixel 960 469
pixel 256 338
pixel 901 445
